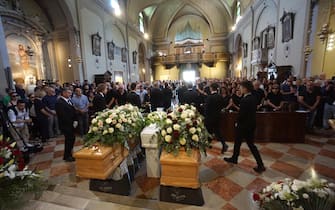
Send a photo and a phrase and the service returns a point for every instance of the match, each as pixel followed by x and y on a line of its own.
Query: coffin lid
pixel 89 153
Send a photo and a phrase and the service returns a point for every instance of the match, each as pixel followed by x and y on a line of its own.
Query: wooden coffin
pixel 99 162
pixel 181 170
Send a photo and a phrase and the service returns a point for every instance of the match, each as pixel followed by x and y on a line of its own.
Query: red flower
pixel 1 160
pixel 16 153
pixel 21 164
pixel 176 134
pixel 180 110
pixel 256 197
pixel 188 126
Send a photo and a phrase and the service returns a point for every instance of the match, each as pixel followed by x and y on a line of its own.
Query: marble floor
pixel 224 186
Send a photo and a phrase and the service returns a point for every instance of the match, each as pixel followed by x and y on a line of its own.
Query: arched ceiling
pixel 161 14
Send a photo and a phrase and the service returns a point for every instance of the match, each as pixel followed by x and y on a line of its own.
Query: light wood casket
pixel 181 170
pixel 99 162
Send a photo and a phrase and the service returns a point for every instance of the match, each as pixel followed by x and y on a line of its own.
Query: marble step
pixel 75 202
pixel 122 200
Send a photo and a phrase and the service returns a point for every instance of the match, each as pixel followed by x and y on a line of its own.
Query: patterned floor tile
pixel 301 153
pixel 307 148
pixel 240 176
pixel 288 169
pixel 271 153
pixel 41 165
pixel 257 185
pixel 327 153
pixel 61 169
pixel 224 187
pixel 324 170
pixel 226 191
pixel 218 165
pixel 228 206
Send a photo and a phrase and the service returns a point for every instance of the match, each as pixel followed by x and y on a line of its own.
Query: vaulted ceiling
pixel 161 14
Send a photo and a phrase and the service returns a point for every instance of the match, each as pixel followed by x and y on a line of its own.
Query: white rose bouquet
pixel 183 129
pixel 156 117
pixel 115 126
pixel 297 195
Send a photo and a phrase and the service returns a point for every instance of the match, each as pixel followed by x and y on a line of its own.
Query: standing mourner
pixel 80 103
pixel 132 97
pixel 246 126
pixel 99 101
pixel 213 106
pixel 66 114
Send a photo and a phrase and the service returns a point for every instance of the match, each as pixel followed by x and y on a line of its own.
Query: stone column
pixel 6 79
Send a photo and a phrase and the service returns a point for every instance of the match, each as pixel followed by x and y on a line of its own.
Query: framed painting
pixel 124 55
pixel 134 57
pixel 264 39
pixel 245 50
pixel 256 43
pixel 271 37
pixel 110 50
pixel 287 21
pixel 96 44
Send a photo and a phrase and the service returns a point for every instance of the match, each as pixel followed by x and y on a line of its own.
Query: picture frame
pixel 135 57
pixel 124 55
pixel 287 21
pixel 256 43
pixel 264 39
pixel 271 37
pixel 245 50
pixel 96 44
pixel 110 50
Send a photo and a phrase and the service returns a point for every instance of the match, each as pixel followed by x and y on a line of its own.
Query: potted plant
pixel 182 137
pixel 17 183
pixel 110 132
pixel 295 194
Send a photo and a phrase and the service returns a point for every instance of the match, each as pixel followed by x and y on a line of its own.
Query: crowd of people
pixel 37 110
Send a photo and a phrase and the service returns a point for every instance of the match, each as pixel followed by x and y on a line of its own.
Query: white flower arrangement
pixel 182 128
pixel 297 195
pixel 115 126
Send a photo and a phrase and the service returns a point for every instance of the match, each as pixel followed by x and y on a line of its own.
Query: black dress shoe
pixel 259 169
pixel 230 160
pixel 70 159
pixel 224 148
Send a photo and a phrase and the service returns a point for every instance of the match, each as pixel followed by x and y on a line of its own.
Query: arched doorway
pixel 239 56
pixel 40 46
pixel 141 62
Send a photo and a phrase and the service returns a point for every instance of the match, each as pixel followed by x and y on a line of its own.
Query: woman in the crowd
pixel 42 115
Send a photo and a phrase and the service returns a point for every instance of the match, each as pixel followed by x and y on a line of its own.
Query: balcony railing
pixel 190 58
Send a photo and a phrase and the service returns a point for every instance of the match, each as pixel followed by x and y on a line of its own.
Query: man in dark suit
pixel 213 106
pixel 66 114
pixel 246 125
pixel 99 101
pixel 132 96
pixel 191 96
pixel 156 97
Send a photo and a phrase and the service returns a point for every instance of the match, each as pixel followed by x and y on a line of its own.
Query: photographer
pixel 19 116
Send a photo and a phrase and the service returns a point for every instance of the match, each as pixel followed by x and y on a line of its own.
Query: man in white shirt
pixel 19 117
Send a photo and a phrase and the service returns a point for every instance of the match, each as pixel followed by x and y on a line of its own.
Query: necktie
pixel 69 102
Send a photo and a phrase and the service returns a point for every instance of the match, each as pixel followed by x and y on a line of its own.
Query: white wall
pixel 266 13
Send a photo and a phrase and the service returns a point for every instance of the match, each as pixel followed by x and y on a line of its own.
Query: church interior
pixel 161 56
